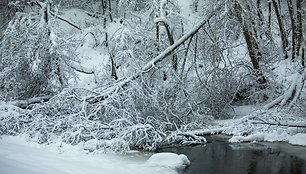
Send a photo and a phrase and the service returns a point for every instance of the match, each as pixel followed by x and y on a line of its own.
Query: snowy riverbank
pixel 254 125
pixel 20 156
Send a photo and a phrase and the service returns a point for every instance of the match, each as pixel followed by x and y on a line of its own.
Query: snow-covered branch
pixel 41 5
pixel 27 102
pixel 78 67
pixel 287 124
pixel 147 67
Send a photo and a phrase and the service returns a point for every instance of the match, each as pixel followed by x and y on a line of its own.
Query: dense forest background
pixel 130 72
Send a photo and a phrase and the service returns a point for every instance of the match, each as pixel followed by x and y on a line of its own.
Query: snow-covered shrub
pixel 249 91
pixel 143 136
pixel 136 116
pixel 11 120
pixel 216 95
pixel 26 63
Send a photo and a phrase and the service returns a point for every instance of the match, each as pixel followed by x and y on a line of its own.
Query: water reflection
pixel 220 157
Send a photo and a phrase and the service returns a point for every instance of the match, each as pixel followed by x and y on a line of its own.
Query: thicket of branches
pixel 146 93
pixel 134 118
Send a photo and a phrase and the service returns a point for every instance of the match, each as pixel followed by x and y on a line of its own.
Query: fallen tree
pixel 286 124
pixel 108 90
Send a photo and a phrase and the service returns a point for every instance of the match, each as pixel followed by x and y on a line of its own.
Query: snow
pixel 169 160
pixel 298 139
pixel 265 125
pixel 188 16
pixel 19 156
pixel 240 111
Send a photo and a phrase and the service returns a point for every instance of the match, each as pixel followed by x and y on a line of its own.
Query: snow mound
pixel 298 139
pixel 169 160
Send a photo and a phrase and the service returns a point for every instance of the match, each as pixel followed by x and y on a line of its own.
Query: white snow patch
pixel 240 111
pixel 188 16
pixel 19 156
pixel 298 139
pixel 169 160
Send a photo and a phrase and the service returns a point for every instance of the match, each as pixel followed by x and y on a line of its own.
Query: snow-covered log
pixel 191 139
pixel 210 131
pixel 287 124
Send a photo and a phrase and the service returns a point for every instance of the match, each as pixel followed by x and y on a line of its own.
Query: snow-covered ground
pixel 251 124
pixel 19 156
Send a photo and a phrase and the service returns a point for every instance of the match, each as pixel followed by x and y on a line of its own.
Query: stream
pixel 220 157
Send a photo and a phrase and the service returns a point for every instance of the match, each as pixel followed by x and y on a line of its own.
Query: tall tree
pixel 293 28
pixel 282 30
pixel 251 41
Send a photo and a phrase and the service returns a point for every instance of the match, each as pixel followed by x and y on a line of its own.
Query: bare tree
pixel 293 28
pixel 276 5
pixel 252 43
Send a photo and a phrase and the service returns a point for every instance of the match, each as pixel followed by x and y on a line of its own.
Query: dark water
pixel 219 157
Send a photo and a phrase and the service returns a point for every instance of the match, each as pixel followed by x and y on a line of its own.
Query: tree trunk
pixel 110 10
pixel 157 37
pixel 270 16
pixel 104 8
pixel 170 39
pixel 281 27
pixel 299 33
pixel 303 57
pixel 259 12
pixel 293 30
pixel 114 69
pixel 252 45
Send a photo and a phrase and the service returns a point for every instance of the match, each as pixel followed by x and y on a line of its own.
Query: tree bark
pixel 114 69
pixel 171 41
pixel 303 57
pixel 293 30
pixel 157 36
pixel 252 45
pixel 281 27
pixel 270 16
pixel 299 33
